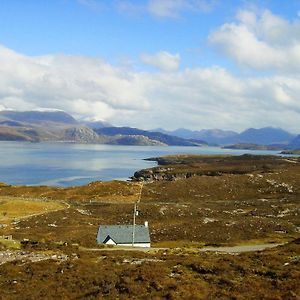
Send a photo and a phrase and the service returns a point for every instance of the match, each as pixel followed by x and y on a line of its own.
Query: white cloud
pixel 162 60
pixel 260 41
pixel 192 98
pixel 67 82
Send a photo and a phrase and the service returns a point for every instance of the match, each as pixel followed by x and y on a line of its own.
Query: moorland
pixel 191 202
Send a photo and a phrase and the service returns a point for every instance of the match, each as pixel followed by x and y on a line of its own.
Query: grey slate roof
pixel 122 234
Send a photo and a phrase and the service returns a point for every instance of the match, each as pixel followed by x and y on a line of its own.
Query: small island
pixel 291 152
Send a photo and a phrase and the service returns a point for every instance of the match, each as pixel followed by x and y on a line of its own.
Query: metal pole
pixel 134 214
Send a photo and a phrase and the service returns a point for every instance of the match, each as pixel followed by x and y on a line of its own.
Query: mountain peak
pixel 37 117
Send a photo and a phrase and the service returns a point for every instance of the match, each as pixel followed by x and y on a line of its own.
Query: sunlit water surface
pixel 67 164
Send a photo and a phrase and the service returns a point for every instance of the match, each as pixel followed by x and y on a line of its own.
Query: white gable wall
pixel 110 242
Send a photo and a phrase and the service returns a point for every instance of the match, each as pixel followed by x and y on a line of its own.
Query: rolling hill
pixel 157 136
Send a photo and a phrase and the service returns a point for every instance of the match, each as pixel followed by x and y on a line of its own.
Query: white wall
pixel 142 245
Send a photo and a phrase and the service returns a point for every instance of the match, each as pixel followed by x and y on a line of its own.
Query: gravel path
pixel 223 249
pixel 240 248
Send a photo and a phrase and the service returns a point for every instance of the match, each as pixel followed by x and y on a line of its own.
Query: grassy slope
pixel 272 274
pixel 11 208
pixel 226 209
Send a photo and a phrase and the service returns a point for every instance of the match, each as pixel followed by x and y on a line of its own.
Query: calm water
pixel 63 164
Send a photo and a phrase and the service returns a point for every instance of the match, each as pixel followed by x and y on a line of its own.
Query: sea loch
pixel 68 164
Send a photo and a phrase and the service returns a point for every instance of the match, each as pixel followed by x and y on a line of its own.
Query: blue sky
pixel 201 62
pixel 100 28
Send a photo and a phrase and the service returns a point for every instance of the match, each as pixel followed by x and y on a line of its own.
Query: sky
pixel 197 64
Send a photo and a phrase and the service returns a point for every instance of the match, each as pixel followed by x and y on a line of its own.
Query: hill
pixel 157 136
pixel 16 118
pixel 265 136
pixel 37 126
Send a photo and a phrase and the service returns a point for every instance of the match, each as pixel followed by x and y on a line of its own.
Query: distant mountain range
pixel 262 136
pixel 211 136
pixel 37 126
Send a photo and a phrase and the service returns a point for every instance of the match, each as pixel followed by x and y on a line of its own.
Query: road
pixel 224 249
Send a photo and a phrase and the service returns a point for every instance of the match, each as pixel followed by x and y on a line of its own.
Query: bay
pixel 69 164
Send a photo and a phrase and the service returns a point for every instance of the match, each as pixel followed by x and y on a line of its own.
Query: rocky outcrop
pixel 174 167
pixel 81 134
pixel 168 174
pixel 133 140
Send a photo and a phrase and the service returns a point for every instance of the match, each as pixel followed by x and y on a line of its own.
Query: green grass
pixel 10 244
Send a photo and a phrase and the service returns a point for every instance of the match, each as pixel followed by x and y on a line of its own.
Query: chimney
pixel 146 224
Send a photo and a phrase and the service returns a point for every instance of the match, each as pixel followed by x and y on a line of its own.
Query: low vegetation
pixel 244 200
pixel 12 208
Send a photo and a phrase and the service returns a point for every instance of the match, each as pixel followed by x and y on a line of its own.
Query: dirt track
pixel 234 249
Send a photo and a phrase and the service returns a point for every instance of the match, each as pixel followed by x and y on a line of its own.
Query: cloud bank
pixel 195 98
pixel 261 41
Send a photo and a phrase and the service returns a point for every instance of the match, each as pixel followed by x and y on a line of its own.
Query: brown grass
pixel 12 208
pixel 261 206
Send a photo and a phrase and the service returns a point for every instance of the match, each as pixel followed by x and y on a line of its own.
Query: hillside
pixel 157 136
pixel 38 126
pixel 265 136
pixel 13 134
pixel 16 118
pixel 222 202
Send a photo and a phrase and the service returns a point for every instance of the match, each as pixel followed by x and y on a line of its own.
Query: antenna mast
pixel 135 212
